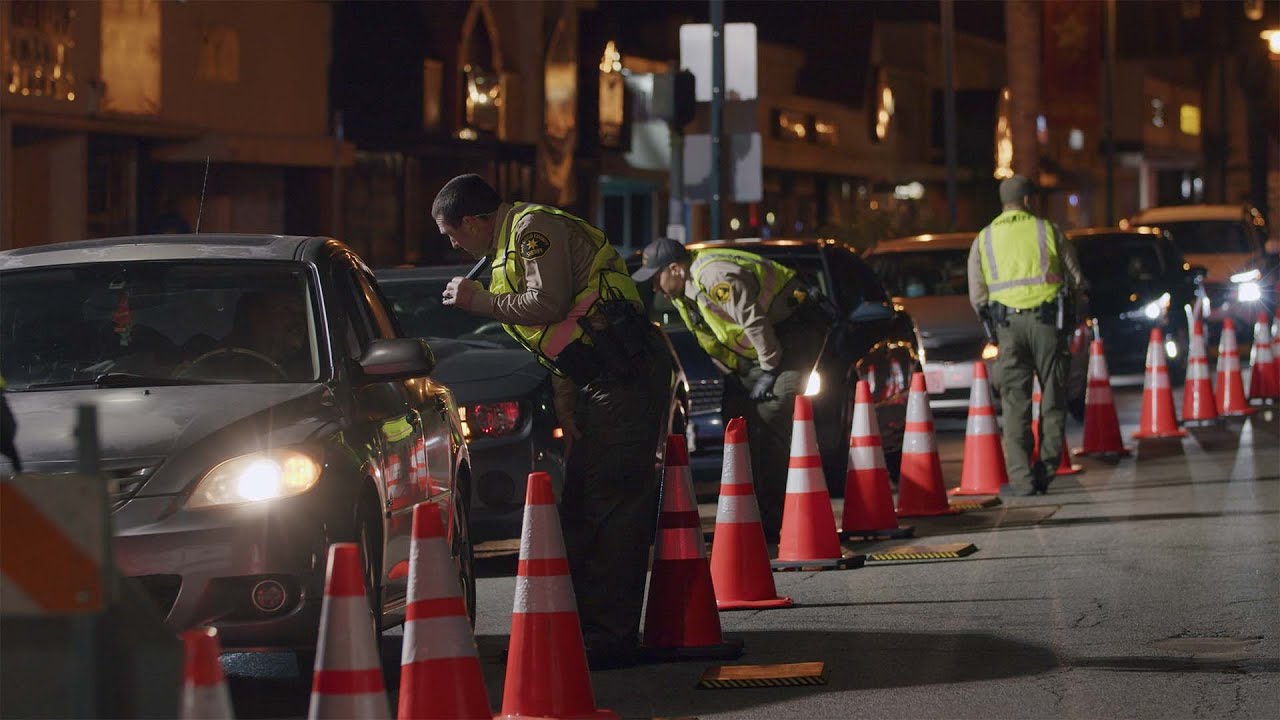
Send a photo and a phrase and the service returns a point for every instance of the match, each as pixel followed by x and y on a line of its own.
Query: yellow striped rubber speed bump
pixel 755 676
pixel 900 553
pixel 970 505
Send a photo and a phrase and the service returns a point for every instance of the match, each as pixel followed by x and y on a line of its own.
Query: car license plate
pixel 935 380
pixel 959 375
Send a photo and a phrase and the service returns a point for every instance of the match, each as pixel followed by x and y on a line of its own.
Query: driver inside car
pixel 267 341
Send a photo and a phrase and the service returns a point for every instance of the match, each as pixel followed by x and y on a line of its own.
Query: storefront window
pixel 40 47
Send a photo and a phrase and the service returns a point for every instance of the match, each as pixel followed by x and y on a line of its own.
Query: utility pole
pixel 717 115
pixel 1022 46
pixel 949 101
pixel 1109 110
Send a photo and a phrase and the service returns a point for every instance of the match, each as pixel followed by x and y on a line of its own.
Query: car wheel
pixel 369 536
pixel 465 552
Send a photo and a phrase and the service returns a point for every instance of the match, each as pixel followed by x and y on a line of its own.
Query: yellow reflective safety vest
pixel 1020 262
pixel 609 281
pixel 719 335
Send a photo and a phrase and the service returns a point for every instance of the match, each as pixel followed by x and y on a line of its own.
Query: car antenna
pixel 203 185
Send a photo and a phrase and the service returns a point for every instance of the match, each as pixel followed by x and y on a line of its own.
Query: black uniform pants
pixel 769 420
pixel 609 508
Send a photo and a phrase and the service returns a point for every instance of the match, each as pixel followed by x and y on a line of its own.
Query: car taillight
pixel 493 419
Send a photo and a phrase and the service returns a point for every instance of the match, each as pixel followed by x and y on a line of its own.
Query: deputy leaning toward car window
pixel 761 324
pixel 562 292
pixel 1025 282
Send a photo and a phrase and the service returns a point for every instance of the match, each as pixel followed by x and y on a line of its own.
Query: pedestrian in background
pixel 562 292
pixel 1025 283
pixel 763 327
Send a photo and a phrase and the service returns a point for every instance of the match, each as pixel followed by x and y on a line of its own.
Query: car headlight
pixel 1249 292
pixel 1252 276
pixel 256 477
pixel 814 386
pixel 1153 310
pixel 490 419
pixel 990 351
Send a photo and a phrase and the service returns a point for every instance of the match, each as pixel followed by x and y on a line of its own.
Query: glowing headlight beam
pixel 1249 292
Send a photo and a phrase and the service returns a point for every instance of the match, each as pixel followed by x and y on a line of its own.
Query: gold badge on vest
pixel 721 292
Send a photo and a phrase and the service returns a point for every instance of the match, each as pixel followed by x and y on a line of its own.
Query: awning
pixel 317 152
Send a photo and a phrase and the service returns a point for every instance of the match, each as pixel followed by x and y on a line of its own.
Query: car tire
pixel 369 538
pixel 465 552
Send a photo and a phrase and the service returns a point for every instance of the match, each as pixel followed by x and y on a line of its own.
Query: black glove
pixel 763 389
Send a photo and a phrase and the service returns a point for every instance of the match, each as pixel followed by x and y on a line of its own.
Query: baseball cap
pixel 1014 189
pixel 657 255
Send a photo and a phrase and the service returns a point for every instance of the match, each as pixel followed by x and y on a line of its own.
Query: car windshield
pixel 932 273
pixel 157 323
pixel 1207 237
pixel 418 307
pixel 1119 261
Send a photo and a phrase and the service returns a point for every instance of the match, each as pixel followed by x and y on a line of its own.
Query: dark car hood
pixel 143 426
pixel 483 371
pixel 1112 301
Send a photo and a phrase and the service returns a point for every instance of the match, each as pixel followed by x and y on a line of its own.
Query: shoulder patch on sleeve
pixel 532 245
pixel 721 292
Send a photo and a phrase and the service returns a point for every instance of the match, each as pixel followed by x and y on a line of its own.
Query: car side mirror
pixel 398 359
pixel 870 311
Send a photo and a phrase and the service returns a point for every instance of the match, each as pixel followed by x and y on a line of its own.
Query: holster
pixel 618 346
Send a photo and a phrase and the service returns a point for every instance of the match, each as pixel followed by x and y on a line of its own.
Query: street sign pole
pixel 717 119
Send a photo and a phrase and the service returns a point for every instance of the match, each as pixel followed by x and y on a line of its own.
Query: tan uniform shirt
pixel 1071 273
pixel 551 280
pixel 743 307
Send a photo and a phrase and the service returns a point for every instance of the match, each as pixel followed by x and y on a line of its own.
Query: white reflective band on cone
pixel 981 425
pixel 737 466
pixel 865 458
pixel 737 509
pixel 433 555
pixel 805 480
pixel 539 542
pixel 1100 395
pixel 918 442
pixel 544 594
pixel 349 631
pixel 437 638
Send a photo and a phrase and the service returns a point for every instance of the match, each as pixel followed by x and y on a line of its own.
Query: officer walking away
pixel 562 292
pixel 1025 283
pixel 764 329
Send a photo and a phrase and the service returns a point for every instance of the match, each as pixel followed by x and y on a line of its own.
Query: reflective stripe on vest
pixel 1014 287
pixel 608 271
pixel 726 340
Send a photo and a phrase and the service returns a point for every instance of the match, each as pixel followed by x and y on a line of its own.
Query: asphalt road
pixel 1147 587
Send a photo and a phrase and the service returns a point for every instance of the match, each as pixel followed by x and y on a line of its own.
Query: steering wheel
pixel 234 351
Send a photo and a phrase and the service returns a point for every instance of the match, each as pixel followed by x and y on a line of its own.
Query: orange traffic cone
pixel 204 690
pixel 920 487
pixel 1230 394
pixel 439 667
pixel 1198 405
pixel 809 536
pixel 1262 366
pixel 681 620
pixel 984 471
pixel 348 675
pixel 1157 419
pixel 868 496
pixel 740 570
pixel 1101 425
pixel 546 660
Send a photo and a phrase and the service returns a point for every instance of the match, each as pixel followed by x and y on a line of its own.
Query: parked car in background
pixel 872 339
pixel 1139 281
pixel 1229 245
pixel 928 274
pixel 504 394
pixel 256 402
